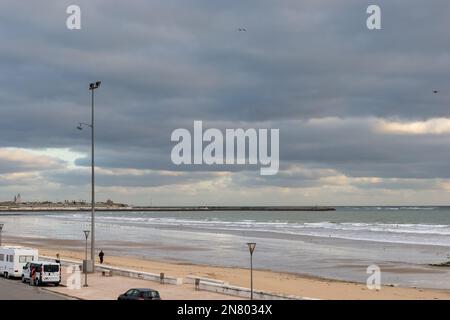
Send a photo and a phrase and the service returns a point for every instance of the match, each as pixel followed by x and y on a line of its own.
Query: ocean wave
pixel 406 228
pixel 393 208
pixel 440 229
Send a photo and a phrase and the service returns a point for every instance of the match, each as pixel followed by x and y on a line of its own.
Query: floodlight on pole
pixel 92 87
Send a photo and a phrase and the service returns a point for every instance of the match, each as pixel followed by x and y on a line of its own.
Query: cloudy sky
pixel 359 122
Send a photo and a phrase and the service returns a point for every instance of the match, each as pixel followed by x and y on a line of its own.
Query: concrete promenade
pixel 110 287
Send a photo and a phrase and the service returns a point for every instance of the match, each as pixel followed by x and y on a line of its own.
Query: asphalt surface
pixel 16 290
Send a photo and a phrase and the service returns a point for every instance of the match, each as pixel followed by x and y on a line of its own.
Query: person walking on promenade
pixel 101 255
pixel 57 260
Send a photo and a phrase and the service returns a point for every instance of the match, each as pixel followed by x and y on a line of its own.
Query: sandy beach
pixel 277 282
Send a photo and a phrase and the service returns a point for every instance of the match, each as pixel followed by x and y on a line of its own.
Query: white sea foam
pixel 420 233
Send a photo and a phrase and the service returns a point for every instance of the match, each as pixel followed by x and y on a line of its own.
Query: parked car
pixel 44 273
pixel 14 258
pixel 140 294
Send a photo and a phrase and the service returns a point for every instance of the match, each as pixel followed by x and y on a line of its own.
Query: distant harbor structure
pixel 67 205
pixel 110 205
pixel 17 199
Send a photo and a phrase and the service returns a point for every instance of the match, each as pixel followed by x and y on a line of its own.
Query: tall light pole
pixel 1 228
pixel 92 87
pixel 86 234
pixel 251 248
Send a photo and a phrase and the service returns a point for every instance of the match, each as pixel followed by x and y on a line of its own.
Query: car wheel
pixel 23 279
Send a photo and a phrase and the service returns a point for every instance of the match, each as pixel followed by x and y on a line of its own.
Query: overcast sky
pixel 359 122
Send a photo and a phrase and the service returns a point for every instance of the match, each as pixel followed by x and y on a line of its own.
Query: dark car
pixel 140 294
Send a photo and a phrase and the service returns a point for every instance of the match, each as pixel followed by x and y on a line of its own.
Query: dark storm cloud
pixel 352 147
pixel 127 179
pixel 164 64
pixel 355 149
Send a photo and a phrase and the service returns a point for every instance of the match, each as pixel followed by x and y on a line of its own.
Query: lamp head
pixel 251 247
pixel 1 226
pixel 86 233
pixel 94 85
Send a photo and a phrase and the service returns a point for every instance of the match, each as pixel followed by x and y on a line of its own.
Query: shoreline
pixel 288 283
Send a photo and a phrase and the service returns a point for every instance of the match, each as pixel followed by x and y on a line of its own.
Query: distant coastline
pixel 121 207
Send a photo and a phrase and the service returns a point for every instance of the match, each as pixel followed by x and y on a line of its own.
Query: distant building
pixel 17 199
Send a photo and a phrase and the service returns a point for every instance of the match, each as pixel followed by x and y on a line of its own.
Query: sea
pixel 403 241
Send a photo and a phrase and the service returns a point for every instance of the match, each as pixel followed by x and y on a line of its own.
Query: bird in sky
pixel 435 91
pixel 242 29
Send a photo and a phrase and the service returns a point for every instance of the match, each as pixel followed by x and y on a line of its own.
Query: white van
pixel 42 272
pixel 14 258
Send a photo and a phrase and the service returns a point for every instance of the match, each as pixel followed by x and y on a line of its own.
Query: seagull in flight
pixel 242 30
pixel 435 91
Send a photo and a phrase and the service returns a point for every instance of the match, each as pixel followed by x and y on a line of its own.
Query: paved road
pixel 16 290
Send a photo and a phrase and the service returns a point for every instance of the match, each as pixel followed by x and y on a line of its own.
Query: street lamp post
pixel 1 228
pixel 251 248
pixel 92 87
pixel 86 234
